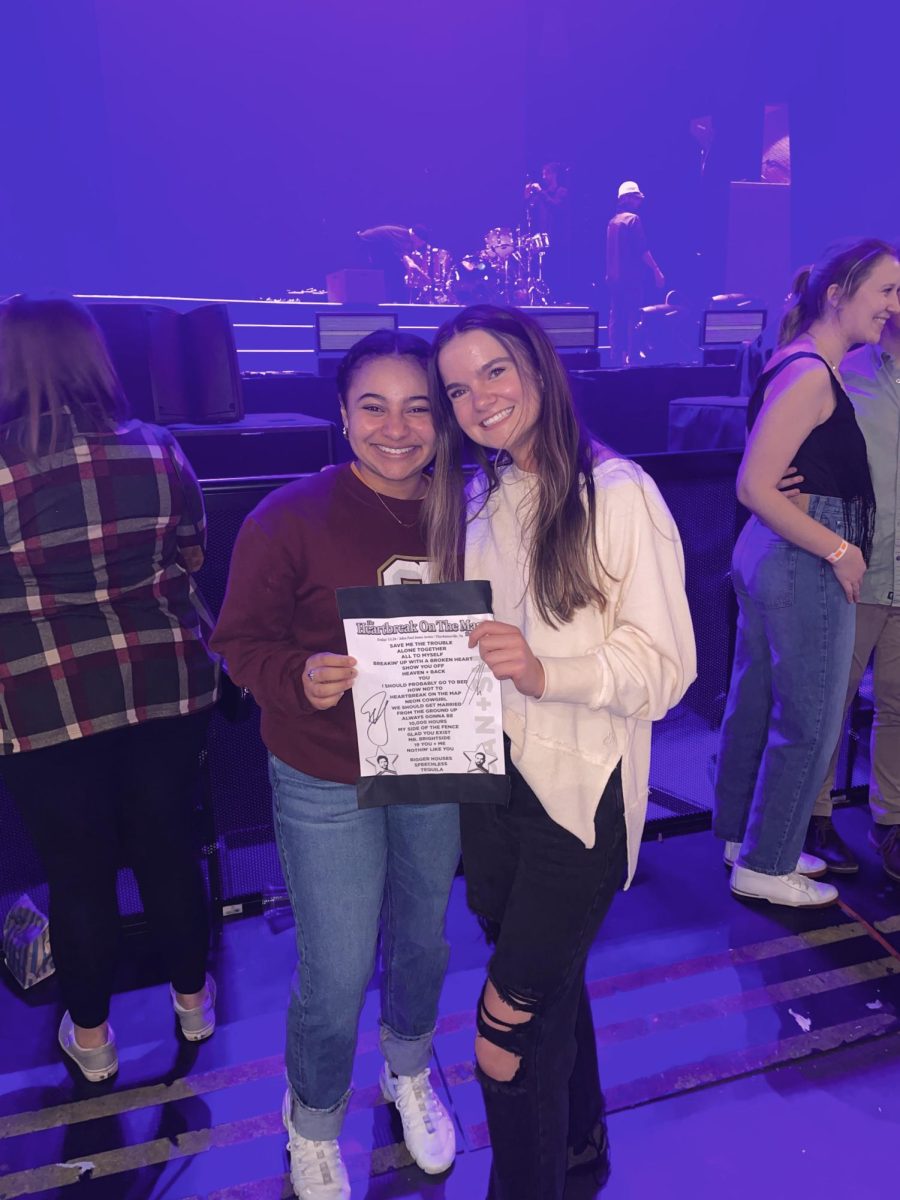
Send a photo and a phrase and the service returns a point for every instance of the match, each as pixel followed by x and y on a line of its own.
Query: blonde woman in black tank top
pixel 797 568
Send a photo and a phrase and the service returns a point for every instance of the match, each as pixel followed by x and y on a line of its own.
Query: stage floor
pixel 745 1050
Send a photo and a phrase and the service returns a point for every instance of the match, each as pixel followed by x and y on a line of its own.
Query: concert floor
pixel 744 1050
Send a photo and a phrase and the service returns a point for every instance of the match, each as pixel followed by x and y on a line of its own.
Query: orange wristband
pixel 837 555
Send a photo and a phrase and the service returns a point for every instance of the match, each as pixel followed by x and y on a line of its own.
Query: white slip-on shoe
pixel 793 889
pixel 95 1065
pixel 197 1024
pixel 807 864
pixel 427 1127
pixel 317 1169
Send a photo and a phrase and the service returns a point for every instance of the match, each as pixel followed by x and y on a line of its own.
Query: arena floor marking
pixel 675 1080
pixel 116 1103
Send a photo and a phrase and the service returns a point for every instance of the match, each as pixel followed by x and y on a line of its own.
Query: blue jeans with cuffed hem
pixel 348 871
pixel 786 697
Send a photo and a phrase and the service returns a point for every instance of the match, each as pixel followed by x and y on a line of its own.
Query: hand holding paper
pixel 505 651
pixel 428 713
pixel 326 677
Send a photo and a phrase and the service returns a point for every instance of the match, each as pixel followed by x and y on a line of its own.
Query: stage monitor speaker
pixel 731 327
pixel 261 444
pixel 144 342
pixel 336 332
pixel 355 286
pixel 570 329
pixel 211 364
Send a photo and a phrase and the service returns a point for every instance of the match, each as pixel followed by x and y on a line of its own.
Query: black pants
pixel 624 314
pixel 90 803
pixel 547 896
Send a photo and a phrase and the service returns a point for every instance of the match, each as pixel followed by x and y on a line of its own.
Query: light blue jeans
pixel 342 867
pixel 785 702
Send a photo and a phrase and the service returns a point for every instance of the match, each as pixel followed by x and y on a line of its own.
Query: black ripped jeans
pixel 543 895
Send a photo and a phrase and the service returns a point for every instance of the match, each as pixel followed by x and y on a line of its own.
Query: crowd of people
pixel 109 667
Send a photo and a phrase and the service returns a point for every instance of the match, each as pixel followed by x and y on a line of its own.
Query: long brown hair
pixel 564 567
pixel 847 264
pixel 53 360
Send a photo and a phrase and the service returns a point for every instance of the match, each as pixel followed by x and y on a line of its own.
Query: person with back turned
pixel 106 684
pixel 627 257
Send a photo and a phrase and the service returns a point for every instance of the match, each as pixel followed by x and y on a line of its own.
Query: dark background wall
pixel 216 147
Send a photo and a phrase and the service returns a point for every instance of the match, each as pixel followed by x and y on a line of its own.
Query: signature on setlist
pixel 376 710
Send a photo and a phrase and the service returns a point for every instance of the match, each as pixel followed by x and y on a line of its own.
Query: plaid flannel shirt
pixel 101 625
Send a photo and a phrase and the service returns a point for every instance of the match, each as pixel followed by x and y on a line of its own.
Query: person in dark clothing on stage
pixel 627 255
pixel 551 213
pixel 390 248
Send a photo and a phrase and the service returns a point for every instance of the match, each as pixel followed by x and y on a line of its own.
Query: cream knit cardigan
pixel 609 674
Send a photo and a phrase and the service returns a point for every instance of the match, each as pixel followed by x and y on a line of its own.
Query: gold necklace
pixel 827 361
pixel 381 501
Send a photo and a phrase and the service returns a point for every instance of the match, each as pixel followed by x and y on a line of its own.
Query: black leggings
pixel 543 897
pixel 91 803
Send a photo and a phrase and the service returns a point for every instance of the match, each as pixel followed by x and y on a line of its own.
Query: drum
pixel 428 275
pixel 470 281
pixel 441 276
pixel 416 277
pixel 534 242
pixel 532 246
pixel 499 242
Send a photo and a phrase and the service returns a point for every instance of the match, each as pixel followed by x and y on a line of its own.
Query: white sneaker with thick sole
pixel 427 1127
pixel 95 1065
pixel 197 1024
pixel 793 890
pixel 317 1169
pixel 807 864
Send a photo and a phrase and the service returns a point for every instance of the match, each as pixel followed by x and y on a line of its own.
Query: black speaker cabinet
pixel 174 366
pixel 261 444
pixel 211 364
pixel 145 345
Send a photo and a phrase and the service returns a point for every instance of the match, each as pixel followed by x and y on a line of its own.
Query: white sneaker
pixel 317 1169
pixel 197 1024
pixel 427 1128
pixel 96 1064
pixel 793 889
pixel 807 864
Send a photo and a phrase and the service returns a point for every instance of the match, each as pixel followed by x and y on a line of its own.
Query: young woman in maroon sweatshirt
pixel 279 630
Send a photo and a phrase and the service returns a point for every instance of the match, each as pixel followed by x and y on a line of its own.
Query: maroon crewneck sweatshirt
pixel 301 543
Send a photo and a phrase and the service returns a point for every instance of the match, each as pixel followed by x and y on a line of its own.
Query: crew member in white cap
pixel 626 256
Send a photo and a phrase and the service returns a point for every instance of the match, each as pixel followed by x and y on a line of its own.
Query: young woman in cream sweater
pixel 592 641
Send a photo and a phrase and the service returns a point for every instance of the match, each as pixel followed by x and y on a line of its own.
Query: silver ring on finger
pixel 311 674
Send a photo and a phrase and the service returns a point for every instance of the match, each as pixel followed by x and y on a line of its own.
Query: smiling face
pixel 389 425
pixel 892 330
pixel 875 302
pixel 494 402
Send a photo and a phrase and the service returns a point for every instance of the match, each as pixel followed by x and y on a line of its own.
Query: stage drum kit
pixel 509 270
pixel 429 275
